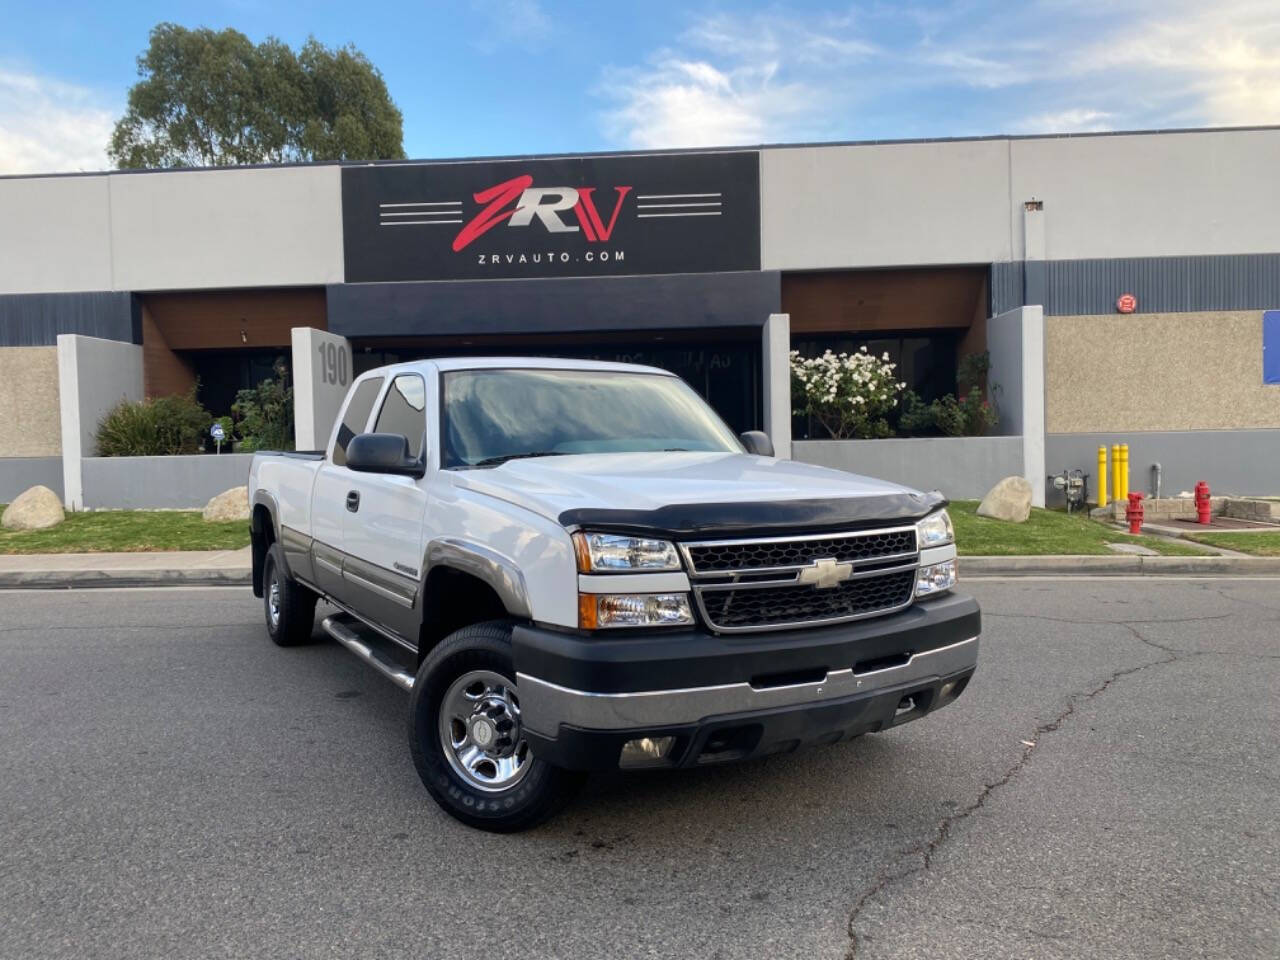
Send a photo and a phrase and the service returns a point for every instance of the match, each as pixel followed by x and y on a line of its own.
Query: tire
pixel 289 607
pixel 465 691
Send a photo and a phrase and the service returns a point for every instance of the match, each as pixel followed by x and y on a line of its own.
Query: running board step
pixel 369 647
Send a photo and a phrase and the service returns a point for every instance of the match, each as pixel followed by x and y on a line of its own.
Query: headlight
pixel 599 610
pixel 935 578
pixel 610 553
pixel 935 530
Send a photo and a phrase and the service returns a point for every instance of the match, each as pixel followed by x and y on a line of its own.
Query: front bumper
pixel 729 697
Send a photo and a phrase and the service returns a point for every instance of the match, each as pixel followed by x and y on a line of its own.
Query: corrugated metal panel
pixel 1006 287
pixel 1161 284
pixel 36 319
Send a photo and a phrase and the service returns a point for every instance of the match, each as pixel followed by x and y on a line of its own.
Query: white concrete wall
pixel 776 351
pixel 55 235
pixel 1015 341
pixel 963 468
pixel 885 204
pixel 322 373
pixel 226 228
pixel 93 376
pixel 1206 192
pixel 153 483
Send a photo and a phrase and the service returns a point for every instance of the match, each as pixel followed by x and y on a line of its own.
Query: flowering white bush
pixel 850 394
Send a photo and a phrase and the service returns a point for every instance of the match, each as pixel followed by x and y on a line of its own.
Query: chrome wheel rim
pixel 273 600
pixel 480 731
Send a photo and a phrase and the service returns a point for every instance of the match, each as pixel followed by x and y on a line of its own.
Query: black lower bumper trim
pixel 744 736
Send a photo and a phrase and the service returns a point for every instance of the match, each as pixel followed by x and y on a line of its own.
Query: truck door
pixel 382 537
pixel 329 496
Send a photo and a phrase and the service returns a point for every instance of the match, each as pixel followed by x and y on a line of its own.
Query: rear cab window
pixel 355 417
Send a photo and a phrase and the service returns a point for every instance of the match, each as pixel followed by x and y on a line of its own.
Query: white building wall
pixel 190 230
pixel 1150 195
pixel 885 204
pixel 55 234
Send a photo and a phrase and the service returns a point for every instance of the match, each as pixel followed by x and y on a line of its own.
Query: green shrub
pixel 265 413
pixel 156 427
pixel 969 416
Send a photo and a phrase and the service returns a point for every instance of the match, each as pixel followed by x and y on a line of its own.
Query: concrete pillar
pixel 1015 341
pixel 322 372
pixel 776 351
pixel 94 375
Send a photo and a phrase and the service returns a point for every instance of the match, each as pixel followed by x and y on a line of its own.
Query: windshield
pixel 496 415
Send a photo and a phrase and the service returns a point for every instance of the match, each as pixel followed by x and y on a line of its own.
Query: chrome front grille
pixel 775 582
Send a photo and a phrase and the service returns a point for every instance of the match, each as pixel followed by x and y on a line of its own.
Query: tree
pixel 211 98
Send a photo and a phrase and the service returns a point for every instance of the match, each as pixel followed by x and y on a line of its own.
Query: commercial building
pixel 710 263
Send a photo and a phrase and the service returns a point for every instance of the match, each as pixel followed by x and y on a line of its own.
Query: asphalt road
pixel 172 785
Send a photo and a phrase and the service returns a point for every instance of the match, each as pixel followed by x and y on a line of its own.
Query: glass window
pixel 405 411
pixel 357 415
pixel 492 415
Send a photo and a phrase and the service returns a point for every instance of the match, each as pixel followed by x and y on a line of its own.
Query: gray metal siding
pixel 36 319
pixel 1161 284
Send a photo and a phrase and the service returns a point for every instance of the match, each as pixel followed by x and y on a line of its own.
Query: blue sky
pixel 536 76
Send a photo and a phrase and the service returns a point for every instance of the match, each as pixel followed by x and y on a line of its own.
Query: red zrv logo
pixel 519 201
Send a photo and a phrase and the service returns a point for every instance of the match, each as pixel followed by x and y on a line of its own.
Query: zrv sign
pixel 589 216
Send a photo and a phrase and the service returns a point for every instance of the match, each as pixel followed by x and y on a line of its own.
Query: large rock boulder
pixel 231 504
pixel 1010 499
pixel 34 509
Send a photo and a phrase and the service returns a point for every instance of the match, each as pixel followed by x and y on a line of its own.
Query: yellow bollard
pixel 1102 476
pixel 1115 471
pixel 1124 473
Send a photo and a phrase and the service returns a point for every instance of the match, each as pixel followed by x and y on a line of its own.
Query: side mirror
pixel 383 453
pixel 757 442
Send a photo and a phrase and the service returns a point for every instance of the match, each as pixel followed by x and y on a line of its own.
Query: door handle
pixel 353 500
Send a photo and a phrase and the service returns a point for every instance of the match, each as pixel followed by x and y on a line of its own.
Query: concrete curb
pixel 89 579
pixel 1119 566
pixel 1050 566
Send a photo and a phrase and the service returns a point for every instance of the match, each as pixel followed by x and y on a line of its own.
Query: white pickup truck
pixel 577 566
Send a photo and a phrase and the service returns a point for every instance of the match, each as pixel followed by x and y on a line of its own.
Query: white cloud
pixel 953 68
pixel 690 103
pixel 1074 120
pixel 47 126
pixel 732 82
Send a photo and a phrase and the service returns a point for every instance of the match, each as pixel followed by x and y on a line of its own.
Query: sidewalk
pixel 158 569
pixel 232 568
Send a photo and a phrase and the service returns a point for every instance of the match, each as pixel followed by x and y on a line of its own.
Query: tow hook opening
pixel 912 705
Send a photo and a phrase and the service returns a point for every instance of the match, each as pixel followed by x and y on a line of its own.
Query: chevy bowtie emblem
pixel 825 573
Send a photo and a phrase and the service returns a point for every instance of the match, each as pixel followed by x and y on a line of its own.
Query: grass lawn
pixel 1046 532
pixel 106 531
pixel 1258 544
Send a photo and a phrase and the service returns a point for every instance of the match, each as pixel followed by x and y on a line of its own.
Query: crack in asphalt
pixel 924 852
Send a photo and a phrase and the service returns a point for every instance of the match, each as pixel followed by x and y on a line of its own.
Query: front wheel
pixel 467 740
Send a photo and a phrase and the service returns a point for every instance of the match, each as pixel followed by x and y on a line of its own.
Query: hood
pixel 685 493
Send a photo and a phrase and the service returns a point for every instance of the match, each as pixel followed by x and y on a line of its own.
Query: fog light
pixel 935 578
pixel 646 752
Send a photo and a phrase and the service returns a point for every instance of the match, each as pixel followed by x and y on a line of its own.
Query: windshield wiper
pixel 494 461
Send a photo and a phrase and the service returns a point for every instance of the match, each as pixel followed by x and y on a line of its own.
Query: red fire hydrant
pixel 1133 513
pixel 1203 505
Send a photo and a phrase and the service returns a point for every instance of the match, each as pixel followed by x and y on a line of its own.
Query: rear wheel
pixel 290 607
pixel 467 740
